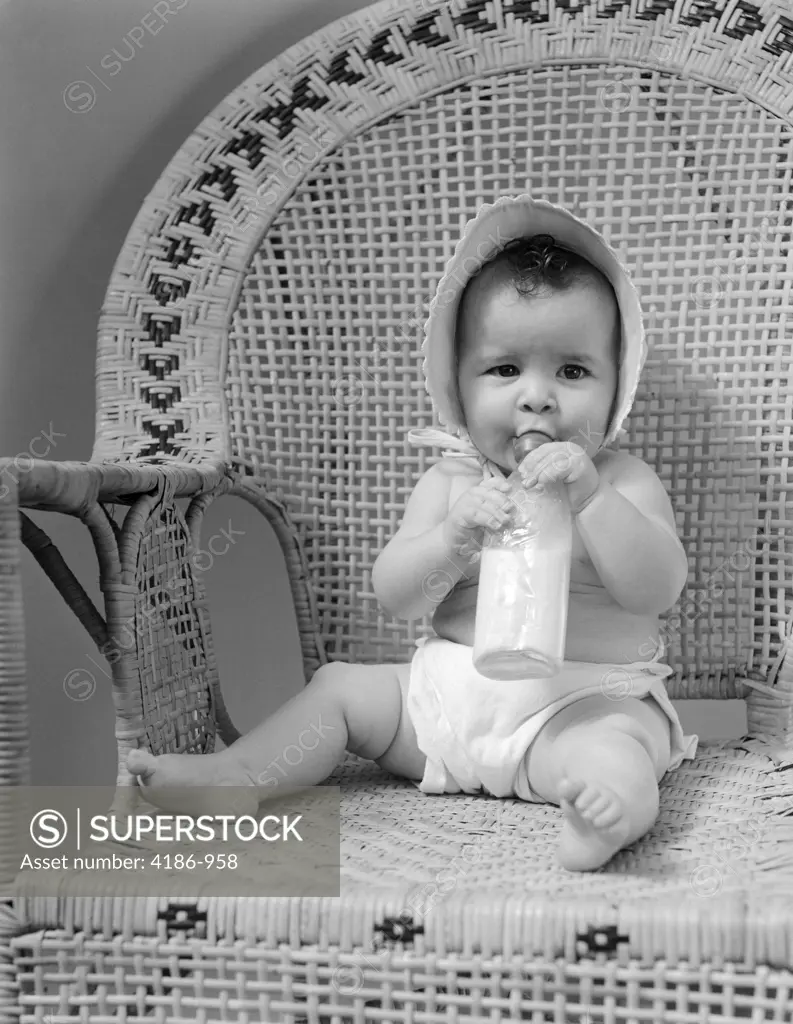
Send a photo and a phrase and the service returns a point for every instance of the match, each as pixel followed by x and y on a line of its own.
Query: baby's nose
pixel 537 394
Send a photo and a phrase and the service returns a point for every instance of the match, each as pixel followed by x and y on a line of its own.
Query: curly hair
pixel 539 262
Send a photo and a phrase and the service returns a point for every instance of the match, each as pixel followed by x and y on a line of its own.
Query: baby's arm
pixel 418 549
pixel 433 540
pixel 629 532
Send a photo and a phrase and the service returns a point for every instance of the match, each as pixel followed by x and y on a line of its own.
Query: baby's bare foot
pixel 191 783
pixel 596 825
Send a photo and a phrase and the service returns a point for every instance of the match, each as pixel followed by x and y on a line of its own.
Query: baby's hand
pixel 486 506
pixel 565 462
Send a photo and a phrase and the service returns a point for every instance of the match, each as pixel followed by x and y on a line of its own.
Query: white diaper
pixel 475 731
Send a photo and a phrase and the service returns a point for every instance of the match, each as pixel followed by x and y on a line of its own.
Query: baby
pixel 538 332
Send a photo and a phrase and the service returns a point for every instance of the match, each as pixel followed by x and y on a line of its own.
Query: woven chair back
pixel 341 226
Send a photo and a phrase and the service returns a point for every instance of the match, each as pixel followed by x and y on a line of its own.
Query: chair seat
pixel 724 819
pixel 420 869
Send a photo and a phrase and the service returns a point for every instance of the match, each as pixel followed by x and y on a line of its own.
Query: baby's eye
pixel 504 366
pixel 574 366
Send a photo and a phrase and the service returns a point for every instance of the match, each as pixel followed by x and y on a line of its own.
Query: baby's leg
pixel 345 707
pixel 602 766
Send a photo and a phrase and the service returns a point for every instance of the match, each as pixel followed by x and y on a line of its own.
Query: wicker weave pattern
pixel 276 984
pixel 160 351
pixel 172 638
pixel 431 860
pixel 327 332
pixel 263 322
pixel 329 194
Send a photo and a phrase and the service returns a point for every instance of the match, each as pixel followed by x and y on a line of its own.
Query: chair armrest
pixel 72 487
pixel 78 488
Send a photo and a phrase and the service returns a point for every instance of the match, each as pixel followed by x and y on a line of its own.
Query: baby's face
pixel 547 362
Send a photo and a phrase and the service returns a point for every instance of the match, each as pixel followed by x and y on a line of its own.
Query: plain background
pixel 72 184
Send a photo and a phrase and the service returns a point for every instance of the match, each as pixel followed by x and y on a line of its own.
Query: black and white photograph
pixel 396 511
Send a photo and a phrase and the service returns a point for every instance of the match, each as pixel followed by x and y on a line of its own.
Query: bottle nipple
pixel 526 443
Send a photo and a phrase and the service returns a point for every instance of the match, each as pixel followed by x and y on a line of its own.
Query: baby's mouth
pixel 535 434
pixel 528 441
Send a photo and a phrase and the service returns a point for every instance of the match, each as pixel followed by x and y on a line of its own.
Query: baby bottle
pixel 524 582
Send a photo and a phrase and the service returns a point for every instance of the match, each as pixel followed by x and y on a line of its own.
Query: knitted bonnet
pixel 487 233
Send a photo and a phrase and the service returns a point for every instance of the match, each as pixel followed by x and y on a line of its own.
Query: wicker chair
pixel 260 338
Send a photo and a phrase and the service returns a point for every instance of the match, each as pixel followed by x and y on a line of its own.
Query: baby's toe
pixel 569 790
pixel 609 816
pixel 596 806
pixel 587 799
